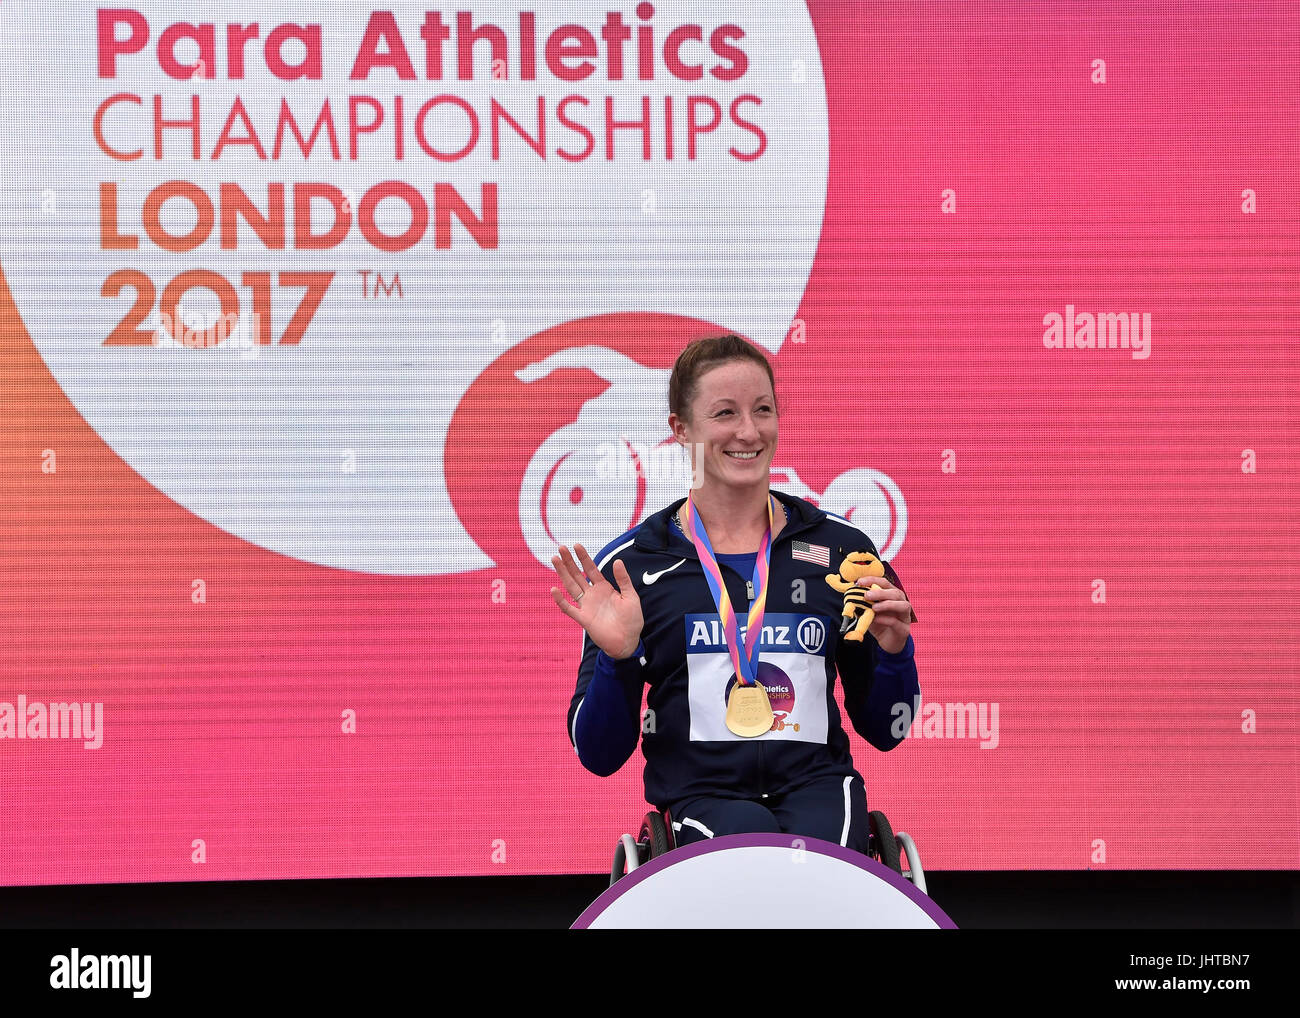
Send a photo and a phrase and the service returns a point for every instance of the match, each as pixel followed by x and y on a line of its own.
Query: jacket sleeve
pixel 605 711
pixel 882 693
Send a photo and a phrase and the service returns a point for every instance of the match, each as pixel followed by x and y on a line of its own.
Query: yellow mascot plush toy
pixel 858 613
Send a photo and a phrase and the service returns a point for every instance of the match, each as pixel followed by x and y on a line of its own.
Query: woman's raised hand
pixel 611 616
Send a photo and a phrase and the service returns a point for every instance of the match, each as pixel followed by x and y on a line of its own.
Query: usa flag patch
pixel 818 555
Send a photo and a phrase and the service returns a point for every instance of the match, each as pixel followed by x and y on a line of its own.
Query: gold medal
pixel 749 711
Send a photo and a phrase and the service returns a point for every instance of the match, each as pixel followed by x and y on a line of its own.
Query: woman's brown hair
pixel 702 354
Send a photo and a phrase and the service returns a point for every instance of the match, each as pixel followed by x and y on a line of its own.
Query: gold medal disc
pixel 749 711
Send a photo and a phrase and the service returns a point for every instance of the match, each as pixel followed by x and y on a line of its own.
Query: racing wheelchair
pixel 656 838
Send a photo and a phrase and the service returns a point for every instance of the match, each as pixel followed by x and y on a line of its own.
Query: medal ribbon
pixel 746 666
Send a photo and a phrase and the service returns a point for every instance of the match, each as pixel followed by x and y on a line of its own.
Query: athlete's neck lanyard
pixel 746 666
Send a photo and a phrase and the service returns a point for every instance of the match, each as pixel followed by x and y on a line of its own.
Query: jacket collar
pixel 659 533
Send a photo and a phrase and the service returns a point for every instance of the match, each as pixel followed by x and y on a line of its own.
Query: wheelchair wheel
pixel 883 844
pixel 654 835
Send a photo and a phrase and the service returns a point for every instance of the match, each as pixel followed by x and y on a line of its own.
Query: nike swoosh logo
pixel 648 578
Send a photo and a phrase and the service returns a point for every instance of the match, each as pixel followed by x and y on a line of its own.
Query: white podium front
pixel 763 881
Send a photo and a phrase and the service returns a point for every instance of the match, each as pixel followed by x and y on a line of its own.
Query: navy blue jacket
pixel 683 657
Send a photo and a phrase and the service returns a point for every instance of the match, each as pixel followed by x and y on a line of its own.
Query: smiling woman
pixel 723 409
pixel 722 603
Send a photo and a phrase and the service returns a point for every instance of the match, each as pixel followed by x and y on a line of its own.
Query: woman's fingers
pixel 892 609
pixel 571 565
pixel 887 598
pixel 565 607
pixel 588 566
pixel 623 579
pixel 568 573
pixel 895 607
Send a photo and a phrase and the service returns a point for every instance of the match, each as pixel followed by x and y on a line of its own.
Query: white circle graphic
pixel 329 449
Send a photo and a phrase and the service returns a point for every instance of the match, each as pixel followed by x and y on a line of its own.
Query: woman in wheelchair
pixel 738 606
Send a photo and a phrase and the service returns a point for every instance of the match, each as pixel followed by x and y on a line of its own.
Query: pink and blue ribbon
pixel 746 666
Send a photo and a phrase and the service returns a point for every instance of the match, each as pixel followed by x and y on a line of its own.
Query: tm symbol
pixel 372 293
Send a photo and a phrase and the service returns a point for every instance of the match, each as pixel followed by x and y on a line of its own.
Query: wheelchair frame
pixel 656 838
